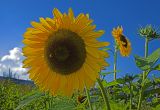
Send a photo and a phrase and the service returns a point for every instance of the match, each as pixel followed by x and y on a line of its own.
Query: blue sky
pixel 16 15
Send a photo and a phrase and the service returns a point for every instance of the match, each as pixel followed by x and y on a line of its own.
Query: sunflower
pixel 62 53
pixel 122 41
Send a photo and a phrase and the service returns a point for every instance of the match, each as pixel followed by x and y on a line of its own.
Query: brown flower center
pixel 65 52
pixel 124 40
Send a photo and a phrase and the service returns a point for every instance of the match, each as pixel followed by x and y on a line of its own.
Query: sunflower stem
pixel 131 93
pixel 104 94
pixel 115 61
pixel 144 77
pixel 89 99
pixel 146 48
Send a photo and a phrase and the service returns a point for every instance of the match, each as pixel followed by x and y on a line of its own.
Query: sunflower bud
pixel 149 31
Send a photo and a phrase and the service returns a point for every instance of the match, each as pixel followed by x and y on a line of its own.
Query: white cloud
pixel 2 67
pixel 13 61
pixel 15 54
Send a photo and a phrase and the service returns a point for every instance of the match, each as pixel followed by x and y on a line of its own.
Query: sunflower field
pixel 67 63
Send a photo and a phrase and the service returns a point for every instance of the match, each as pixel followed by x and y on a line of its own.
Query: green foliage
pixel 10 94
pixel 123 93
pixel 29 98
pixel 62 103
pixel 13 96
pixel 107 73
pixel 157 67
pixel 118 106
pixel 149 62
pixel 113 83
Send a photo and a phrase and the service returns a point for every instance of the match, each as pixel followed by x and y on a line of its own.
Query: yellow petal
pixel 94 34
pixel 50 81
pixel 33 44
pixel 76 81
pixel 71 14
pixel 38 26
pixel 43 75
pixel 93 63
pixel 69 85
pixel 103 53
pixel 56 83
pixel 79 80
pixel 33 72
pixel 52 23
pixel 36 61
pixel 63 82
pixel 32 51
pixel 89 72
pixel 87 29
pixel 45 24
pixel 97 44
pixel 57 13
pixel 93 51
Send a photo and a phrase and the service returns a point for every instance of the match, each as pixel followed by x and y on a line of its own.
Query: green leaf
pixel 104 83
pixel 126 89
pixel 157 67
pixel 154 56
pixel 156 105
pixel 62 104
pixel 113 83
pixel 29 99
pixel 157 80
pixel 118 106
pixel 151 92
pixel 141 62
pixel 120 80
pixel 106 73
pixel 147 85
pixel 147 63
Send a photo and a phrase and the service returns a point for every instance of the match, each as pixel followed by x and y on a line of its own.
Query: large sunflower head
pixel 122 41
pixel 62 53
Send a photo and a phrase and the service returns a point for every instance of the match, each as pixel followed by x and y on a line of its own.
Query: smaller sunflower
pixel 122 41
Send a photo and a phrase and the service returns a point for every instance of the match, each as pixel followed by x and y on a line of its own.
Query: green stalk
pixel 104 94
pixel 115 62
pixel 146 48
pixel 144 77
pixel 131 93
pixel 89 99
